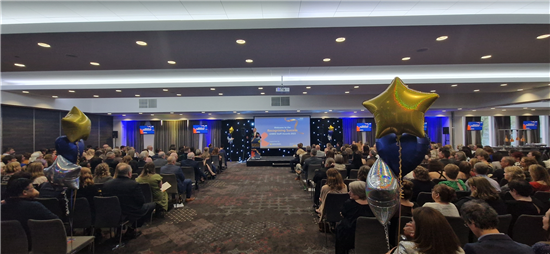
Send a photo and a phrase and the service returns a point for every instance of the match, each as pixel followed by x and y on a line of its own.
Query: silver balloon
pixel 382 191
pixel 63 173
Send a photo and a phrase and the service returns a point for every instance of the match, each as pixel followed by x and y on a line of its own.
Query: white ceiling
pixel 35 12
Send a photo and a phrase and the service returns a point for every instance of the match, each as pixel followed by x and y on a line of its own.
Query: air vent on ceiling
pixel 147 103
pixel 280 101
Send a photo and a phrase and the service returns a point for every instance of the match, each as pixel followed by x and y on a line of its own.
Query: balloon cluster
pixel 229 135
pixel 64 172
pixel 330 132
pixel 401 144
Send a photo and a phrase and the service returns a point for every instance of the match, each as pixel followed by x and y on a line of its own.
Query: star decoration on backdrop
pixel 400 110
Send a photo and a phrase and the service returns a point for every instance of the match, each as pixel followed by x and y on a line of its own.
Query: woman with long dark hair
pixel 482 189
pixel 335 184
pixel 429 233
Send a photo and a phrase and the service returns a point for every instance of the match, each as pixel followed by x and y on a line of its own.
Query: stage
pixel 273 161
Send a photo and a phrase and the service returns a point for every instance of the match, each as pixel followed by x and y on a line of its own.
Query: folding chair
pixel 173 190
pixel 344 173
pixel 82 215
pixel 543 196
pixel 369 236
pixel 353 173
pixel 528 230
pixel 14 238
pixel 332 208
pixel 504 222
pixel 460 229
pixel 108 214
pixel 437 181
pixel 49 237
pixel 53 205
pixel 424 197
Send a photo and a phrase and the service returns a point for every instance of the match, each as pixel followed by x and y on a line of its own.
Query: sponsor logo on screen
pixel 475 126
pixel 530 125
pixel 200 129
pixel 364 127
pixel 147 129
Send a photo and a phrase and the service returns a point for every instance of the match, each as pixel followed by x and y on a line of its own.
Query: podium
pixel 254 152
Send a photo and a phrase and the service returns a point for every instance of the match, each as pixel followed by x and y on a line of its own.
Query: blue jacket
pixel 497 244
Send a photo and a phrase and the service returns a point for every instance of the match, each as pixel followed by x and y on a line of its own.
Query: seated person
pixel 435 167
pixel 540 179
pixel 318 178
pixel 523 204
pixel 184 185
pixel 451 171
pixel 21 207
pixel 443 195
pixel 482 169
pixel 483 221
pixel 422 181
pixel 335 184
pixel 543 247
pixel 482 189
pixel 190 162
pixel 511 173
pixel 102 173
pixel 130 196
pixel 149 176
pixel 352 209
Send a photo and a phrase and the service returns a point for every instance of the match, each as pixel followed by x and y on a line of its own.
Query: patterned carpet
pixel 245 210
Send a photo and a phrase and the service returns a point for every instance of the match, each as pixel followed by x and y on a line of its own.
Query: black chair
pixel 543 196
pixel 53 205
pixel 344 173
pixel 108 214
pixel 134 176
pixel 437 181
pixel 461 194
pixel 353 173
pixel 14 238
pixel 147 193
pixel 49 237
pixel 157 169
pixel 215 160
pixel 460 229
pixel 528 230
pixel 82 214
pixel 399 231
pixel 504 223
pixel 3 191
pixel 424 197
pixel 369 236
pixel 173 190
pixel 348 181
pixel 99 187
pixel 332 208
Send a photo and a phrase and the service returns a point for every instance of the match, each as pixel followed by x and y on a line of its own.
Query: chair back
pixel 53 205
pixel 134 176
pixel 48 236
pixel 461 194
pixel 437 181
pixel 189 172
pixel 424 197
pixel 147 192
pixel 348 181
pixel 171 179
pixel 461 230
pixel 528 229
pixel 99 187
pixel 544 197
pixel 107 212
pixel 157 169
pixel 311 170
pixel 215 160
pixel 399 231
pixel 14 238
pixel 82 215
pixel 333 206
pixel 353 173
pixel 504 222
pixel 3 191
pixel 344 173
pixel 369 236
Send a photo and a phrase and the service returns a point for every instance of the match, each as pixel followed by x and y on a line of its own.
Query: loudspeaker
pixel 445 130
pixel 115 134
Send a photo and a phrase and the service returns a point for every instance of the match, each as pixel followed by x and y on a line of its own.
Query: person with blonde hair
pixel 102 173
pixel 511 173
pixel 89 154
pixel 37 171
pixel 335 184
pixel 482 189
pixel 540 178
pixel 11 168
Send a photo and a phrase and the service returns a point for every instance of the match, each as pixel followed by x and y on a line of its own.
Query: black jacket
pixel 497 244
pixel 128 192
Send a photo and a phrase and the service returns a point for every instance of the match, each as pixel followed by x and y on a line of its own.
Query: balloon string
pixel 400 191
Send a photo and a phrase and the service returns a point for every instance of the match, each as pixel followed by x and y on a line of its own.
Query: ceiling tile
pixel 357 6
pixel 352 14
pixel 395 5
pixel 208 17
pixel 242 7
pixel 138 18
pixel 89 8
pixel 165 8
pixel 434 5
pixel 127 8
pixel 316 14
pixel 282 15
pixel 319 6
pixel 174 17
pixel 19 10
pixel 204 8
pixel 281 7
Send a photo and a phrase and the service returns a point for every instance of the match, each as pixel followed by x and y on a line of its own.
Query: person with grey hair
pixel 141 158
pixel 310 161
pixel 352 209
pixel 483 221
pixel 481 169
pixel 184 185
pixel 130 196
pixel 190 162
pixel 161 160
pixel 110 160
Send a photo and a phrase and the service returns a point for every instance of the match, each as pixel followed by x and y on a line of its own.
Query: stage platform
pixel 272 161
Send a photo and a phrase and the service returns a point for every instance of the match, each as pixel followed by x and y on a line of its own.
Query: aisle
pixel 245 210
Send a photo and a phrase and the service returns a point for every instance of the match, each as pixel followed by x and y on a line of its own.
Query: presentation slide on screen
pixel 282 132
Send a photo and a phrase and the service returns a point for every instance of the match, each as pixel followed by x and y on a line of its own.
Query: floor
pixel 245 210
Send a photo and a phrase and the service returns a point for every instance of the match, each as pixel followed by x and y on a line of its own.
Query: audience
pixel 161 160
pixel 482 219
pixel 422 181
pixel 464 168
pixel 363 173
pixel 481 169
pixel 335 184
pixel 443 195
pixel 452 172
pixel 543 247
pixel 435 167
pixel 87 188
pixel 483 190
pixel 310 161
pixel 37 171
pixel 149 176
pixel 102 173
pixel 184 185
pixel 539 177
pixel 523 203
pixel 11 168
pixel 511 173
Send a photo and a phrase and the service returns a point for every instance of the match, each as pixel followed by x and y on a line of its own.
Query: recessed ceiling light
pixel 141 43
pixel 123 115
pixel 171 62
pixel 212 89
pixel 108 113
pixel 152 114
pixel 533 109
pixel 356 87
pixel 432 91
pixel 266 111
pixel 240 41
pixel 71 91
pixel 179 94
pixel 443 111
pixel 238 113
pixel 118 91
pixel 203 112
pixel 486 57
pixel 308 87
pixel 346 92
pixel 137 95
pixel 362 110
pixel 260 88
pixel 304 92
pixel 503 84
pixel 459 108
pixel 171 113
pixel 519 90
pixel 45 45
pixel 209 114
pixel 544 36
pixel 454 85
pixel 54 96
pixel 25 91
pixel 504 110
pixel 181 114
pixel 492 108
pixel 477 90
pixel 326 59
pixel 220 94
pixel 249 60
pixel 96 96
pixel 525 108
pixel 262 93
pixel 234 112
pixel 474 109
pixel 406 58
pixel 94 63
pixel 330 110
pixel 140 113
pixel 19 65
pixel 340 39
pixel 355 112
pixel 442 38
pixel 165 90
pixel 298 110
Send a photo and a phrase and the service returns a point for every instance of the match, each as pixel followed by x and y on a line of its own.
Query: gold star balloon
pixel 400 110
pixel 231 130
pixel 330 128
pixel 76 125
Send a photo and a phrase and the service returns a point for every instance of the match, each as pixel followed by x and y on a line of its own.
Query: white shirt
pixel 151 153
pixel 448 210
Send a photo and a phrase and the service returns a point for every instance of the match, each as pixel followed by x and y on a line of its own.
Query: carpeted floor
pixel 245 210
